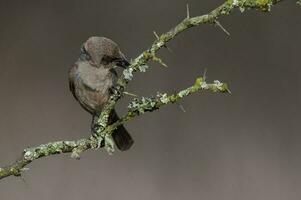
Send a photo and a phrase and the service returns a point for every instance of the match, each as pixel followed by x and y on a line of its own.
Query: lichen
pixel 164 98
pixel 183 93
pixel 102 121
pixel 143 68
pixel 109 144
pixel 30 154
pixel 76 153
pixel 15 171
pixel 128 74
pixel 70 143
pixel 204 85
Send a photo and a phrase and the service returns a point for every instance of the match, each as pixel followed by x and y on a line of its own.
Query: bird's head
pixel 101 51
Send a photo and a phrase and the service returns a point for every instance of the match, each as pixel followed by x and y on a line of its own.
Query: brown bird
pixel 92 78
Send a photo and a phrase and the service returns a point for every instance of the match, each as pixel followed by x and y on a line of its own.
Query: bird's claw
pixel 113 90
pixel 95 128
pixel 99 143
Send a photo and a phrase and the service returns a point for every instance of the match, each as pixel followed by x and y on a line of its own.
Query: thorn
pixel 98 143
pixel 223 29
pixel 159 60
pixel 187 11
pixel 24 181
pixel 130 94
pixel 182 107
pixel 179 104
pixel 158 38
pixel 169 49
pixel 204 74
pixel 24 169
pixel 156 35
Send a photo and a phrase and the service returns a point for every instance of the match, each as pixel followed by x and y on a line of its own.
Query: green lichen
pixel 30 154
pixel 150 55
pixel 183 93
pixel 139 106
pixel 70 143
pixel 265 5
pixel 103 121
pixel 76 154
pixel 164 98
pixel 143 68
pixel 15 171
pixel 142 105
pixel 128 74
pixel 109 144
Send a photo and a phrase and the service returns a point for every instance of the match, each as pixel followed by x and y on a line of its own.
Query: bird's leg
pixel 94 125
pixel 113 90
pixel 94 128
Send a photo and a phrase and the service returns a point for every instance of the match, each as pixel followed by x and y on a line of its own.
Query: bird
pixel 92 79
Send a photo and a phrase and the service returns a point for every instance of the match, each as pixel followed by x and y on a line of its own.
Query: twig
pixel 158 38
pixel 220 25
pixel 130 94
pixel 187 11
pixel 140 106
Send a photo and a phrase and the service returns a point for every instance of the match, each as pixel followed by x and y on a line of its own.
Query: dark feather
pixel 122 138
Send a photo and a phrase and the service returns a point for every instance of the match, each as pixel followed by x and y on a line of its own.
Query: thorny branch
pixel 138 106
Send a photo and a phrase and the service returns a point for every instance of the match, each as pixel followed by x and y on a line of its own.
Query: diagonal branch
pixel 140 106
pixel 137 107
pixel 44 150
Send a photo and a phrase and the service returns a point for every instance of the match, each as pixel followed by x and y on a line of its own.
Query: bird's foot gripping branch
pixel 137 106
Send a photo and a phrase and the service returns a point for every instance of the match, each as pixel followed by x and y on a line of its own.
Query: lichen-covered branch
pixel 148 104
pixel 137 107
pixel 161 41
pixel 59 147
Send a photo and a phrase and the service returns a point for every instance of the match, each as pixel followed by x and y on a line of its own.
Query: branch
pixel 150 54
pixel 137 107
pixel 59 147
pixel 140 106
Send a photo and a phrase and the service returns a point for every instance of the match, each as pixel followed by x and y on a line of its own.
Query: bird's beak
pixel 122 62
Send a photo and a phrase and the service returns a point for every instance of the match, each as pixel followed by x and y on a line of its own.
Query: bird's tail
pixel 121 137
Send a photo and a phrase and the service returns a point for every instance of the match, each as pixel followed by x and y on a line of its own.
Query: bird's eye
pixel 107 59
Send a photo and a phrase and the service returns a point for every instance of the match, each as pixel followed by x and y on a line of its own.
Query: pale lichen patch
pixel 128 74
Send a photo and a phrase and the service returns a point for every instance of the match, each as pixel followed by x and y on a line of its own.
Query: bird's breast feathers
pixel 98 79
pixel 90 85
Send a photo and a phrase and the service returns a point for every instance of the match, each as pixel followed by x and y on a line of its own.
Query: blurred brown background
pixel 231 147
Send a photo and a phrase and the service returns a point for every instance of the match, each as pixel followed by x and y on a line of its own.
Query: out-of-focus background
pixel 231 147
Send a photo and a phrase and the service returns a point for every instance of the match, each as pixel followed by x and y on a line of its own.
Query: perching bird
pixel 93 76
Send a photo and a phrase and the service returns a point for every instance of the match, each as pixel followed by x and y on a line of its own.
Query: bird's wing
pixel 71 79
pixel 74 83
